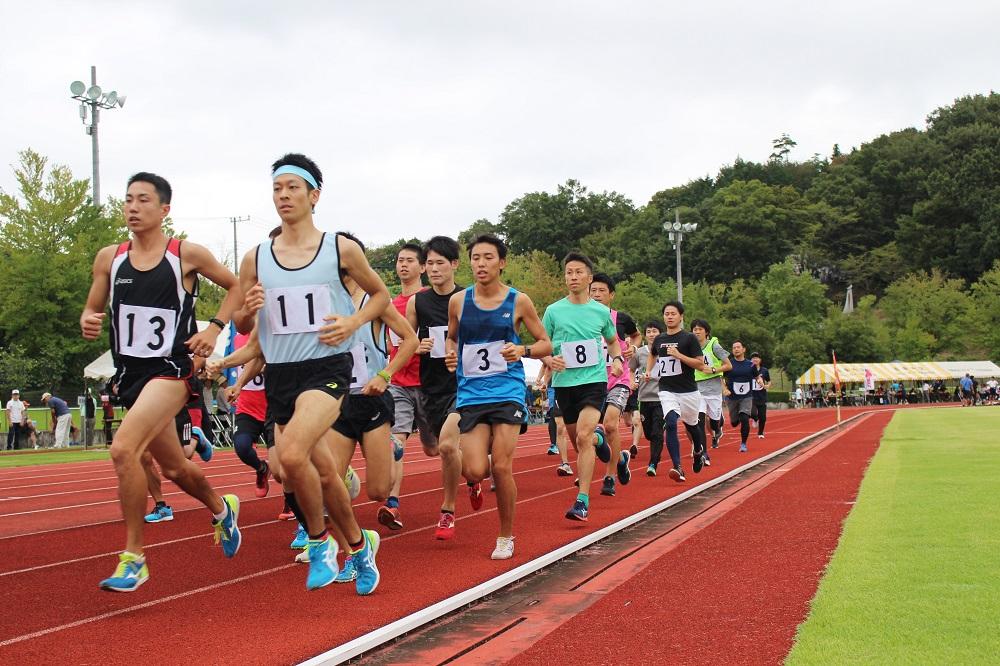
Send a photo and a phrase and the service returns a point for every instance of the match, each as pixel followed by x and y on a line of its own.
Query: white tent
pixel 103 368
pixel 532 368
pixel 978 369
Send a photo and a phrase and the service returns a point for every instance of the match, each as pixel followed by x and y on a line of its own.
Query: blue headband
pixel 295 171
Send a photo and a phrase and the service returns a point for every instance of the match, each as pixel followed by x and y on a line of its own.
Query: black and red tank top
pixel 152 314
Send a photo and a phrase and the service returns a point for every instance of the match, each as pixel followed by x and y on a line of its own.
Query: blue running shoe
pixel 578 512
pixel 130 574
pixel 227 532
pixel 553 450
pixel 348 573
pixel 364 562
pixel 608 487
pixel 397 448
pixel 159 514
pixel 204 447
pixel 323 567
pixel 743 447
pixel 301 538
pixel 602 449
pixel 624 473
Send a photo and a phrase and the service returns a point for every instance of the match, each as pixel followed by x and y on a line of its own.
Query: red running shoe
pixel 286 514
pixel 263 476
pixel 446 527
pixel 389 516
pixel 476 496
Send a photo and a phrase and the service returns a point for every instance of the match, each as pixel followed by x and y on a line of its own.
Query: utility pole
pixel 236 256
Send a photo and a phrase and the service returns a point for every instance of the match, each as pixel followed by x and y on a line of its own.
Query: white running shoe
pixel 504 549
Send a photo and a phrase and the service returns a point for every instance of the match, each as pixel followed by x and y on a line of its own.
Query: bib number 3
pixel 481 359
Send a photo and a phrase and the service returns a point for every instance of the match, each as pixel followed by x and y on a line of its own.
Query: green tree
pixel 782 146
pixel 797 352
pixel 792 300
pixel 928 303
pixel 480 226
pixel 986 311
pixel 858 337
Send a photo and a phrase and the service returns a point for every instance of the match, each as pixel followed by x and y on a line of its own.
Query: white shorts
pixel 711 405
pixel 687 405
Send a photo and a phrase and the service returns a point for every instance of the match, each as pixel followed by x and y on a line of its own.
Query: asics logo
pixel 123 281
pixel 332 385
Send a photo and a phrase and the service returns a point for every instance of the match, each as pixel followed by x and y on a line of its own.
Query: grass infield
pixel 915 576
pixel 31 457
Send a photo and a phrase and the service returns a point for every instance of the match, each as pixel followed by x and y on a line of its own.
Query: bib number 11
pixel 298 309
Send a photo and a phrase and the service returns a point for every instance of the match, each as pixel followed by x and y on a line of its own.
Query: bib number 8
pixel 579 353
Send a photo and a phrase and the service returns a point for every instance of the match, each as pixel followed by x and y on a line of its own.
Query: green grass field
pixel 916 577
pixel 28 458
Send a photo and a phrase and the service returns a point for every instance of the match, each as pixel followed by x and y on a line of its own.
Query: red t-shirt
pixel 252 401
pixel 409 375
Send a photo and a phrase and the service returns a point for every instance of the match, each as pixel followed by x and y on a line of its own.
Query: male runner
pixel 650 409
pixel 602 290
pixel 437 418
pixel 485 350
pixel 306 327
pixel 676 354
pixel 252 423
pixel 739 383
pixel 557 426
pixel 710 383
pixel 151 282
pixel 576 325
pixel 405 386
pixel 760 387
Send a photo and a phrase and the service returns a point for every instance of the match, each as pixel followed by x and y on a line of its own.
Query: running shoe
pixel 323 567
pixel 128 576
pixel 601 448
pixel 633 451
pixel 476 496
pixel 397 448
pixel 204 447
pixel 760 436
pixel 302 557
pixel 578 512
pixel 159 514
pixel 364 563
pixel 564 470
pixel 624 473
pixel 504 549
pixel 677 474
pixel 743 447
pixel 389 516
pixel 608 487
pixel 301 538
pixel 352 482
pixel 576 482
pixel 708 461
pixel 553 450
pixel 286 514
pixel 697 462
pixel 262 486
pixel 445 527
pixel 716 438
pixel 347 572
pixel 227 531
pixel 651 470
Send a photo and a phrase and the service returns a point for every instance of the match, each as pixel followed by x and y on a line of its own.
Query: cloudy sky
pixel 425 116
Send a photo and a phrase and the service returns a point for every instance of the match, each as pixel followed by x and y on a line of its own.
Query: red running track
pixel 60 534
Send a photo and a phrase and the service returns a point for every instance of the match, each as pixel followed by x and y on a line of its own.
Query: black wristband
pixel 218 322
pixel 527 352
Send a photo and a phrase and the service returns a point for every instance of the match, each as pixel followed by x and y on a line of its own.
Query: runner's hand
pixel 425 346
pixel 91 325
pixel 232 392
pixel 451 360
pixel 558 364
pixel 203 343
pixel 375 386
pixel 512 353
pixel 254 300
pixel 616 368
pixel 338 330
pixel 628 352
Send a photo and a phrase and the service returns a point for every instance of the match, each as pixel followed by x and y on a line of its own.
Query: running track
pixel 59 532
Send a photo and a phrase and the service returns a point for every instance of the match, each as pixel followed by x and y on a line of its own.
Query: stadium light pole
pixel 675 232
pixel 93 99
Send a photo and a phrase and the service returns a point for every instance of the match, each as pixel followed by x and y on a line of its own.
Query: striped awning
pixel 822 373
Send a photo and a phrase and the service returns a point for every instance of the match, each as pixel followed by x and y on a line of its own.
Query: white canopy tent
pixel 102 368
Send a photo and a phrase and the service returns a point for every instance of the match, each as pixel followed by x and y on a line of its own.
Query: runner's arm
pixel 246 316
pixel 353 260
pixel 525 313
pixel 407 346
pixel 92 318
pixel 199 260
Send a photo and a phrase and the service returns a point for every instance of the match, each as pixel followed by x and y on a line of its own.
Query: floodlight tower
pixel 675 232
pixel 96 99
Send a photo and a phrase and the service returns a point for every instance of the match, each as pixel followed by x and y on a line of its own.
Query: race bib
pixel 606 353
pixel 667 366
pixel 437 334
pixel 741 388
pixel 394 339
pixel 255 384
pixel 359 376
pixel 297 309
pixel 580 353
pixel 146 332
pixel 481 359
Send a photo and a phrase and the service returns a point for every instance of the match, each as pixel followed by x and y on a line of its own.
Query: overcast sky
pixel 425 116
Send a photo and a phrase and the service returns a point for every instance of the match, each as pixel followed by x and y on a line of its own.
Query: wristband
pixel 218 322
pixel 527 352
pixel 619 358
pixel 384 375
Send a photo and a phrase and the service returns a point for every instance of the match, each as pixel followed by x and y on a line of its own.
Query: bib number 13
pixel 146 332
pixel 297 309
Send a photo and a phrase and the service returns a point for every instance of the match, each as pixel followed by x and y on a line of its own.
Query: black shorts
pixel 498 412
pixel 287 381
pixel 258 430
pixel 554 412
pixel 128 382
pixel 632 405
pixel 183 423
pixel 431 418
pixel 572 399
pixel 363 413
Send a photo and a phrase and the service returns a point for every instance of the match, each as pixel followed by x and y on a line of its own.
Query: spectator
pixel 800 398
pixel 90 414
pixel 16 412
pixel 965 383
pixel 61 419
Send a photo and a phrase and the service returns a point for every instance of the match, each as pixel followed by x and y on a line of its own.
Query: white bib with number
pixel 607 354
pixel 741 388
pixel 359 376
pixel 146 332
pixel 580 353
pixel 297 309
pixel 667 366
pixel 255 384
pixel 394 339
pixel 437 334
pixel 480 359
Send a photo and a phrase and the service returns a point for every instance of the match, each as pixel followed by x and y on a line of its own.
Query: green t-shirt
pixel 576 332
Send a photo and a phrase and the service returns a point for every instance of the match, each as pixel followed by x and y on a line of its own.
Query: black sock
pixel 160 504
pixel 449 511
pixel 357 546
pixel 293 504
pixel 320 537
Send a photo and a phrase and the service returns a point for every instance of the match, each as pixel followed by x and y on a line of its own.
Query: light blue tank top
pixel 297 300
pixel 370 355
pixel 484 377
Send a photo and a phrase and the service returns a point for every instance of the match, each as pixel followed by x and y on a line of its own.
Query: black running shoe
pixel 608 487
pixel 698 461
pixel 677 474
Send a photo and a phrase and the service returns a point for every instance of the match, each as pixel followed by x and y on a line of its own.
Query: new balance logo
pixel 518 414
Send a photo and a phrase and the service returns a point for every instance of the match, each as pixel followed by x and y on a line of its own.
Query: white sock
pixel 225 510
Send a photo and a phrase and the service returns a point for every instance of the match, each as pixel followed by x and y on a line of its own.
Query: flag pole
pixel 836 384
